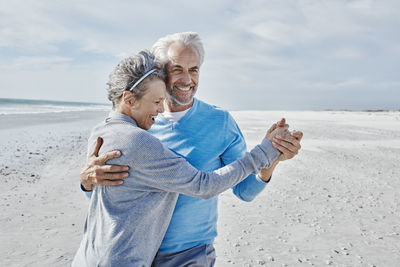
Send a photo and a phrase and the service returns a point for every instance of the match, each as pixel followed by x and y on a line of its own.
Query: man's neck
pixel 174 107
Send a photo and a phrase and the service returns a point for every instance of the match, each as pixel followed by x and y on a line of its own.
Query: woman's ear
pixel 128 98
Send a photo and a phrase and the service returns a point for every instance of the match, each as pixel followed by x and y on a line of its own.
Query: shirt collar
pixel 187 114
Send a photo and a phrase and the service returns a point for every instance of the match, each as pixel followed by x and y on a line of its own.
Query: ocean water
pixel 27 106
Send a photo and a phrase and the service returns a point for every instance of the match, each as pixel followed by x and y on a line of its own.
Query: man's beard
pixel 172 96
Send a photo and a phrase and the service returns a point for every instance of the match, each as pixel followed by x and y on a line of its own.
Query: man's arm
pixel 248 189
pixel 96 172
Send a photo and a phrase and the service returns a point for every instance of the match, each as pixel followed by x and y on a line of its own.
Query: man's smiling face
pixel 183 73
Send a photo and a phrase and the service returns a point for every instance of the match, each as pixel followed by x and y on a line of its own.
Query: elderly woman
pixel 126 224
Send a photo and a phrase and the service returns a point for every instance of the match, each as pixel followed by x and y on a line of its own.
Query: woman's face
pixel 146 109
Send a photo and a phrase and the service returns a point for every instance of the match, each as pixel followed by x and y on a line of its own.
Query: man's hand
pixel 288 143
pixel 96 172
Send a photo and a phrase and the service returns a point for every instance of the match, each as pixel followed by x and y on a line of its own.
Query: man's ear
pixel 128 98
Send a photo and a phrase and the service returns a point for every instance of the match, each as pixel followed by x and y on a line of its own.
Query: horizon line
pixel 103 103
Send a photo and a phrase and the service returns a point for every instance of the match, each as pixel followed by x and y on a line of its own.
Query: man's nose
pixel 186 78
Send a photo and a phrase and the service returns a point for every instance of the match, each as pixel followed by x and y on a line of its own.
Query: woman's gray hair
pixel 129 71
pixel 189 39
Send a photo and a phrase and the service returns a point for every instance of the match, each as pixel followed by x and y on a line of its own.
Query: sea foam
pixel 26 106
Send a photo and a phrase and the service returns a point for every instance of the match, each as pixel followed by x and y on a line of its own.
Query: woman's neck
pixel 123 110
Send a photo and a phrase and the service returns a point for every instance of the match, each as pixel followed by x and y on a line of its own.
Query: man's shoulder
pixel 206 109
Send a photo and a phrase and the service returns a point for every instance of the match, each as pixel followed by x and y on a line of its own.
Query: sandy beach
pixel 336 204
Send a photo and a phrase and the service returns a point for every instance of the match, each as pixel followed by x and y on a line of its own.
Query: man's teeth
pixel 184 88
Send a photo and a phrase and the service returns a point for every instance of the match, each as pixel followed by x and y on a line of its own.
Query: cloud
pixel 36 62
pixel 347 84
pixel 255 49
pixel 348 53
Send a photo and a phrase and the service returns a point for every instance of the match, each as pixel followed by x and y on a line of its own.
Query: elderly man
pixel 208 137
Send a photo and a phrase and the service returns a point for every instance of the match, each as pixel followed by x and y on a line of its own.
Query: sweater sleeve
pixel 157 168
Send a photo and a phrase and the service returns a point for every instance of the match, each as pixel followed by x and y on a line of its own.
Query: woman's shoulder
pixel 144 137
pixel 133 135
pixel 123 136
pixel 139 145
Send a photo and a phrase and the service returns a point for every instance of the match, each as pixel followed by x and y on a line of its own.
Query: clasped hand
pixel 287 142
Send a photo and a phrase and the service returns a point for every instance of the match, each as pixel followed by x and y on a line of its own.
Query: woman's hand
pixel 277 128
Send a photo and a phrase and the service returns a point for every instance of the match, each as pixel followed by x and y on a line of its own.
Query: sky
pixel 260 54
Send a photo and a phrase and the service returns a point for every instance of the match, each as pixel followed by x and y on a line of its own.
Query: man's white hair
pixel 189 39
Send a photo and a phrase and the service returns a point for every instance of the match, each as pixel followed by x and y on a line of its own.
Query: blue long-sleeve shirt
pixel 209 138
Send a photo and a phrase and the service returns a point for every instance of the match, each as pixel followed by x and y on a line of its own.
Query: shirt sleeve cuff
pixel 84 190
pixel 261 180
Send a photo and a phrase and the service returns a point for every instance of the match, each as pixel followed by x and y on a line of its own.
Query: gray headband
pixel 142 78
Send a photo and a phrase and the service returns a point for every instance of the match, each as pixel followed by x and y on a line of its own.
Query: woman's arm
pixel 156 167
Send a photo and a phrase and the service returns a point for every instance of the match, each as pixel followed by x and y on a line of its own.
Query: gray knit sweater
pixel 126 224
